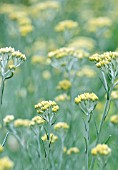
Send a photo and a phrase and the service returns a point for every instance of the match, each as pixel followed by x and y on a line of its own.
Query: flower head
pixel 44 106
pixel 37 120
pixel 61 125
pixel 9 60
pixel 66 25
pixel 52 138
pixel 101 149
pixel 114 119
pixel 22 123
pixel 8 119
pixel 87 102
pixel 72 150
pixel 66 58
pixel 64 85
pixel 62 97
pixel 6 163
pixel 107 62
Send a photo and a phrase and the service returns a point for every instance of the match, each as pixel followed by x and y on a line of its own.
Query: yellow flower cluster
pixel 22 123
pixel 20 15
pixel 101 149
pixel 86 96
pixel 43 7
pixel 8 119
pixel 44 106
pixel 66 25
pixel 72 150
pixel 114 119
pixel 99 22
pixel 108 59
pixel 25 29
pixel 1 148
pixel 38 60
pixel 52 138
pixel 9 55
pixel 6 163
pixel 37 120
pixel 61 125
pixel 65 52
pixel 62 97
pixel 64 85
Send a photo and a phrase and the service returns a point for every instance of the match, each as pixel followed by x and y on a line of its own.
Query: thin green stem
pixel 5 139
pixel 86 124
pixel 61 155
pixel 2 90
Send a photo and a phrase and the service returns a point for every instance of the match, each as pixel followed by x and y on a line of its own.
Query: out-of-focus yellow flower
pixel 38 59
pixel 99 22
pixel 6 163
pixel 66 25
pixel 25 29
pixel 8 119
pixel 64 149
pixel 22 123
pixel 86 71
pixel 61 125
pixel 114 119
pixel 46 75
pixel 101 149
pixel 85 43
pixel 114 94
pixel 62 97
pixel 52 138
pixel 66 52
pixel 64 85
pixel 72 150
pixel 44 9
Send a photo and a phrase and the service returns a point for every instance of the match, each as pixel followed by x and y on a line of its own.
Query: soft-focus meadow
pixel 58 37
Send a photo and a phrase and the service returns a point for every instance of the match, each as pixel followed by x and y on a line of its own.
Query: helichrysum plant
pixel 9 61
pixel 102 152
pixel 107 63
pixel 87 103
pixel 47 111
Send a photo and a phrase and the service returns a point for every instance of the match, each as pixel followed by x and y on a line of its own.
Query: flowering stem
pixel 105 113
pixel 2 90
pixel 87 141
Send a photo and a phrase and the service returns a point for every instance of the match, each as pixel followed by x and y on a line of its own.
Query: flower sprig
pixel 9 60
pixel 108 63
pixel 66 58
pixel 47 110
pixel 87 102
pixel 101 149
